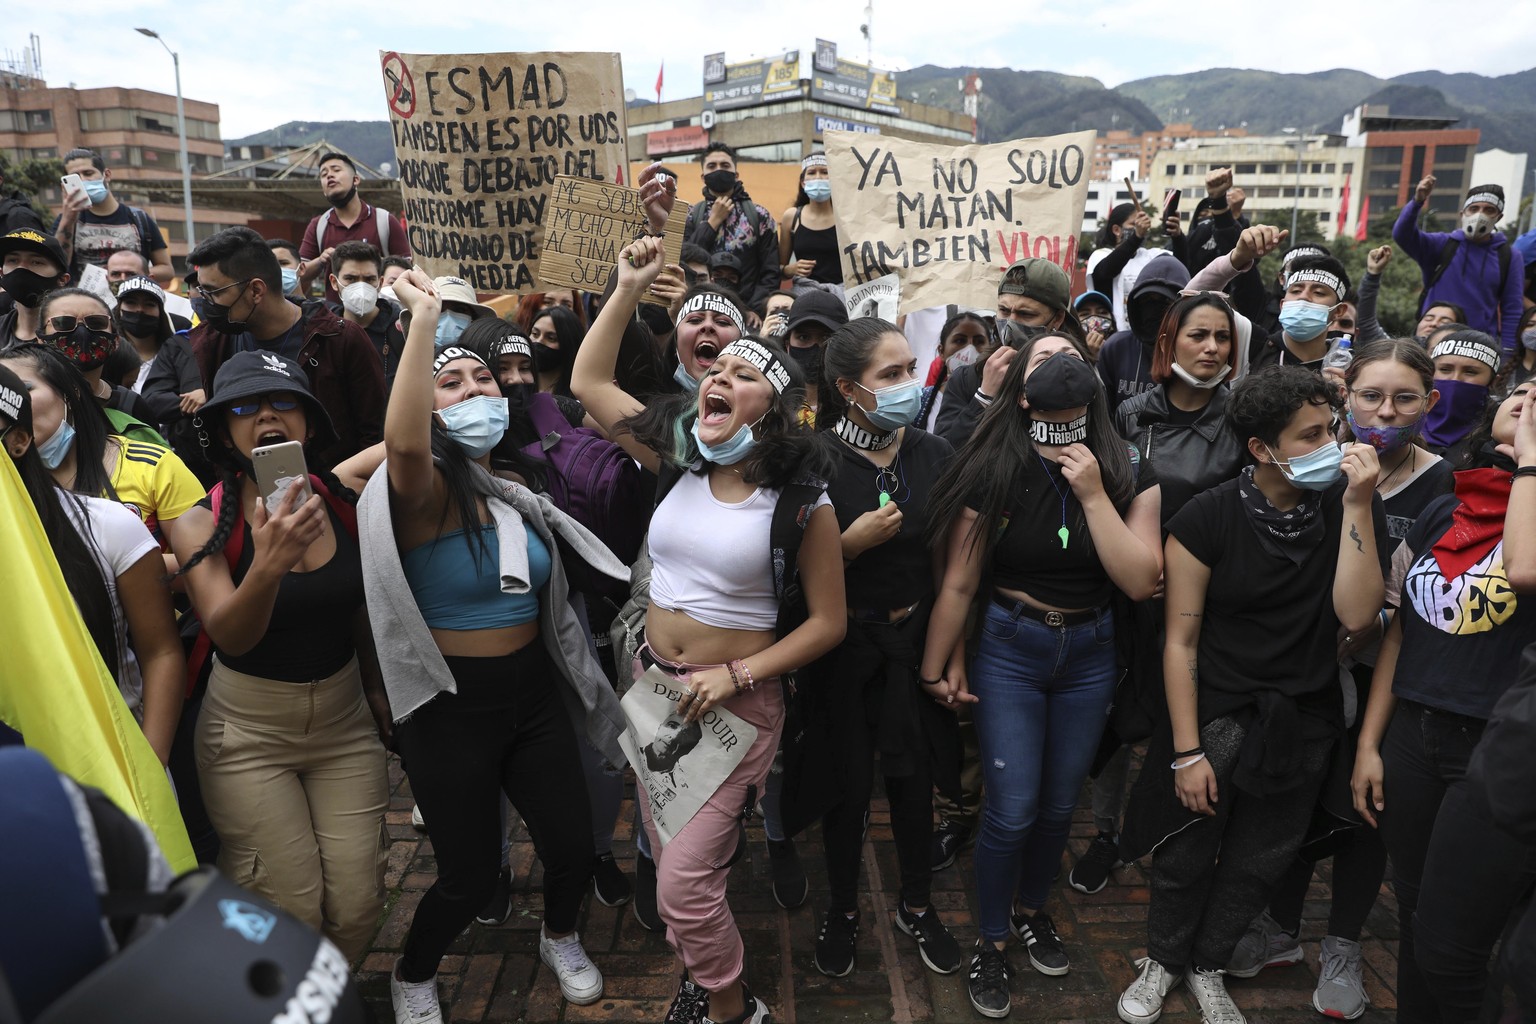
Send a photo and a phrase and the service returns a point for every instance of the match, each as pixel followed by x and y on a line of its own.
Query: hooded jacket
pixel 1472 279
pixel 344 372
pixel 1125 361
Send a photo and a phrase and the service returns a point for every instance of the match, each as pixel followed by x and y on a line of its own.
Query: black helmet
pixel 221 954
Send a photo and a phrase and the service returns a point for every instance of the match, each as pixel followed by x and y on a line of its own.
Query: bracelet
pixel 751 683
pixel 654 234
pixel 1386 621
pixel 1194 760
pixel 730 667
pixel 984 399
pixel 1523 471
pixel 1179 755
pixel 928 682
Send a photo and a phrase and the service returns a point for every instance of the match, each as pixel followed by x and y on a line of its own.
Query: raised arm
pixel 1520 518
pixel 413 482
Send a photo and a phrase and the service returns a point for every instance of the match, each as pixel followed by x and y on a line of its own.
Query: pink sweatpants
pixel 690 875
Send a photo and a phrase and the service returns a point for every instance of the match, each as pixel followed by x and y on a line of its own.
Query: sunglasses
pixel 251 406
pixel 100 323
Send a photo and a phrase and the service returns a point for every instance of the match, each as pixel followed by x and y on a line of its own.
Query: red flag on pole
pixel 1343 206
pixel 1361 228
pixel 659 73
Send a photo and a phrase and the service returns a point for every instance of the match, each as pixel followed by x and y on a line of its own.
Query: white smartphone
pixel 277 466
pixel 72 183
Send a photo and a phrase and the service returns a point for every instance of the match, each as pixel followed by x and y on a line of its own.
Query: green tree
pixel 30 178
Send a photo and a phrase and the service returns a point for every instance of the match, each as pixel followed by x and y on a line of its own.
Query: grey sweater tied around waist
pixel 414 670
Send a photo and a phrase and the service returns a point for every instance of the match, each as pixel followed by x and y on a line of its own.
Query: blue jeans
pixel 1043 695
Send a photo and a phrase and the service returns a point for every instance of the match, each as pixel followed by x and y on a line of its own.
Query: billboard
pixel 850 84
pixel 749 83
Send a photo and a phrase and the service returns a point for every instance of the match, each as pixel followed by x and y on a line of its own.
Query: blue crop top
pixel 457 589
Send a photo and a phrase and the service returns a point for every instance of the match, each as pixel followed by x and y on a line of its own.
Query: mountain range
pixel 1019 104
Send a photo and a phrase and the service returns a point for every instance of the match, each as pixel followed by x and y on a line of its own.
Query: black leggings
pixel 842 828
pixel 505 731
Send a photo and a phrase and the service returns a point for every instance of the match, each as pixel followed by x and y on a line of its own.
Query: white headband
pixel 766 362
pixel 1302 250
pixel 1484 197
pixel 712 302
pixel 1321 277
pixel 814 160
pixel 1467 350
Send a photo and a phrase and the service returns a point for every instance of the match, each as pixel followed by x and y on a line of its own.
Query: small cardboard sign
pixel 587 223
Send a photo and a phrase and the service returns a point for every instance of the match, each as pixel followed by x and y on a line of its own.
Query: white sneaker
pixel 1210 989
pixel 1142 1003
pixel 580 981
pixel 417 821
pixel 415 1001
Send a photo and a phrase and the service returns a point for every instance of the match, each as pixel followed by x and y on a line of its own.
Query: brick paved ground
pixel 494 974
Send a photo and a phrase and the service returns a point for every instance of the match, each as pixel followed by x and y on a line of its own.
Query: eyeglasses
pixel 100 323
pixel 205 293
pixel 1405 402
pixel 278 403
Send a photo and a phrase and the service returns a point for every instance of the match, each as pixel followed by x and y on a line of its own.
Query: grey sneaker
pixel 1142 1003
pixel 1340 988
pixel 1210 989
pixel 1265 944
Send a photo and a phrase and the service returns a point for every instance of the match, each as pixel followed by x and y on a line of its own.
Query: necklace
pixel 892 483
pixel 1405 460
pixel 860 438
pixel 1064 533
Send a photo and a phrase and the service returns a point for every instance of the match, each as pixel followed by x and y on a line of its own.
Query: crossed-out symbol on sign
pixel 402 89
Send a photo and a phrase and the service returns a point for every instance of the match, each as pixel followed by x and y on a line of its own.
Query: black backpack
pixel 1448 253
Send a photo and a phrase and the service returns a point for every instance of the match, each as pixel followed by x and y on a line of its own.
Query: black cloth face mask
pixel 1061 382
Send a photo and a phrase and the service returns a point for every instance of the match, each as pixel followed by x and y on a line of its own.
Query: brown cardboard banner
pixel 950 219
pixel 586 225
pixel 480 139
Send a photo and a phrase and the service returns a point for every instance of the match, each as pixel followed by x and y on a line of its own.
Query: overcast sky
pixel 269 63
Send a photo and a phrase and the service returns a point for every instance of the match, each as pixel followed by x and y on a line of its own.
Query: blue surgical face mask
pixel 732 451
pixel 1316 470
pixel 818 190
pixel 449 326
pixel 53 450
pixel 895 406
pixel 1304 320
pixel 290 281
pixel 476 424
pixel 684 381
pixel 96 191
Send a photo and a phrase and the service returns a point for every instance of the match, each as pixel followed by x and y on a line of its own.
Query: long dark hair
pixel 569 330
pixel 72 549
pixel 985 471
pixel 81 408
pixel 1501 379
pixel 785 449
pixel 846 354
pixel 231 467
pixel 1173 320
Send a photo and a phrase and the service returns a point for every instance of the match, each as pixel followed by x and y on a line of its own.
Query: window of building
pixel 1450 155
pixel 1317 168
pixel 1349 168
pixel 1174 169
pixel 1416 164
pixel 1327 193
pixel 1452 178
pixel 1385 155
pixel 38 120
pixel 1383 179
pixel 1323 215
pixel 44 153
pixel 1245 169
pixel 1312 193
pixel 1269 169
pixel 1329 168
pixel 1189 169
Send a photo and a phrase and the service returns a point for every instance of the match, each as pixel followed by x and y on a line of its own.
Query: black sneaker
pixel 935 945
pixel 989 981
pixel 1046 953
pixel 948 841
pixel 689 1005
pixel 789 884
pixel 1091 872
pixel 755 1013
pixel 834 946
pixel 500 906
pixel 609 883
pixel 645 894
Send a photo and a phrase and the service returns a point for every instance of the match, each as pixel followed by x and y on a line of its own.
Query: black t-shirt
pixel 310 634
pixel 1271 351
pixel 899 572
pixel 1462 637
pixel 1407 502
pixel 8 330
pixel 1268 623
pixel 1029 556
pixel 289 344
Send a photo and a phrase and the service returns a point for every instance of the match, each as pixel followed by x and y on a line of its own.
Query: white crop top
pixel 710 560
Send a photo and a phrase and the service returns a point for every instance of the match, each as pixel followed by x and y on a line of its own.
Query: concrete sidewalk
pixel 494 974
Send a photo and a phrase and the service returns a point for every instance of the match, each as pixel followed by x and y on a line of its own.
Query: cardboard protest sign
pixel 950 219
pixel 880 297
pixel 678 765
pixel 585 226
pixel 480 139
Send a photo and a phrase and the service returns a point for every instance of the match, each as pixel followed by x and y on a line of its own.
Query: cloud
pixel 276 62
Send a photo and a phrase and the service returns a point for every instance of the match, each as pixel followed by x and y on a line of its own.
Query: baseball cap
pixel 1037 278
pixel 30 240
pixel 456 289
pixel 816 307
pixel 249 374
pixel 1100 296
pixel 15 403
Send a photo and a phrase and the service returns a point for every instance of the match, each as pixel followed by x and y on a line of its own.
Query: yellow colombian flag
pixel 56 692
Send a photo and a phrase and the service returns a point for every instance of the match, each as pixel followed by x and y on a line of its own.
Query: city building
pixel 1400 150
pixel 1143 147
pixel 1109 192
pixel 134 130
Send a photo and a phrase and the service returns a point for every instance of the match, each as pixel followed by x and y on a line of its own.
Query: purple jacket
pixel 1472 279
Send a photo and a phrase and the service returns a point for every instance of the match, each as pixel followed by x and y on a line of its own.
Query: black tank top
pixel 821 246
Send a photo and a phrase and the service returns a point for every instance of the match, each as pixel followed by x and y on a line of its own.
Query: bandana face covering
pixel 1070 432
pixel 86 348
pixel 1461 405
